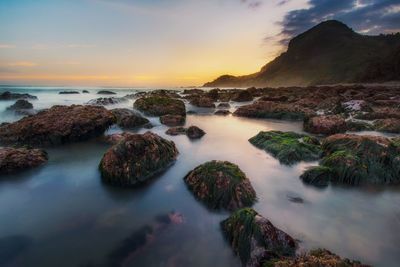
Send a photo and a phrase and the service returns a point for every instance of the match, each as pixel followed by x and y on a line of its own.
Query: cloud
pixel 253 4
pixel 6 46
pixel 365 16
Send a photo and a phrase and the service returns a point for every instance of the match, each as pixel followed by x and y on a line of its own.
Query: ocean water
pixel 61 214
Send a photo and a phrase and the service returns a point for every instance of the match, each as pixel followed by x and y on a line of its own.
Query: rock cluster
pixel 193 132
pixel 13 96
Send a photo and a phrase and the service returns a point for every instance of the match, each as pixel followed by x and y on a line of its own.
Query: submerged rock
pixel 288 147
pixel 104 101
pixel 85 92
pixel 328 124
pixel 128 119
pixel 222 112
pixel 136 159
pixel 58 125
pixel 106 92
pixel 194 132
pixel 255 239
pixel 12 96
pixel 21 104
pixel 356 160
pixel 221 185
pixel 18 159
pixel 159 106
pixel 68 93
pixel 173 120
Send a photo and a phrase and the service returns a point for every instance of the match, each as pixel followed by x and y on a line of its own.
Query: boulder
pixel 203 102
pixel 255 239
pixel 194 132
pixel 20 104
pixel 58 125
pixel 356 160
pixel 221 185
pixel 137 158
pixel 173 120
pixel 243 96
pixel 106 92
pixel 13 96
pixel 288 147
pixel 328 124
pixel 18 159
pixel 128 119
pixel 159 106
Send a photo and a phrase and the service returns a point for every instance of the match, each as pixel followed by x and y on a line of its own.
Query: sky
pixel 153 43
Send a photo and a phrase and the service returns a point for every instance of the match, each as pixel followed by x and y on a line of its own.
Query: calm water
pixel 63 215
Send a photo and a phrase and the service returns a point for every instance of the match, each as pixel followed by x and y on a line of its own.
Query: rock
pixel 243 96
pixel 85 91
pixel 356 160
pixel 129 119
pixel 288 147
pixel 136 159
pixel 68 93
pixel 12 96
pixel 58 125
pixel 275 98
pixel 328 124
pixel 255 239
pixel 176 131
pixel 21 104
pixel 173 120
pixel 192 91
pixel 159 106
pixel 158 93
pixel 115 138
pixel 391 125
pixel 104 101
pixel 106 92
pixel 359 125
pixel 221 185
pixel 203 102
pixel 224 105
pixel 273 110
pixel 317 258
pixel 356 106
pixel 222 112
pixel 194 132
pixel 18 159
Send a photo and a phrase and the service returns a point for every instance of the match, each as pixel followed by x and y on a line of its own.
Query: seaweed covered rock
pixel 288 147
pixel 203 102
pixel 12 96
pixel 58 125
pixel 356 160
pixel 221 185
pixel 127 118
pixel 173 120
pixel 194 132
pixel 315 258
pixel 391 125
pixel 105 101
pixel 328 124
pixel 243 96
pixel 137 158
pixel 159 106
pixel 274 110
pixel 255 239
pixel 18 159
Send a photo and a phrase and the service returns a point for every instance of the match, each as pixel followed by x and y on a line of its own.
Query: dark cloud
pixel 253 4
pixel 366 16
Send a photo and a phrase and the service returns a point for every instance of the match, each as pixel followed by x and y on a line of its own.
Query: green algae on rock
pixel 221 185
pixel 288 147
pixel 137 158
pixel 159 106
pixel 356 160
pixel 255 239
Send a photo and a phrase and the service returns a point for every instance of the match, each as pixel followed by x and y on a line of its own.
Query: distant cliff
pixel 328 53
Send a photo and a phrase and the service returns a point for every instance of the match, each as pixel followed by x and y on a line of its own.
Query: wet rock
pixel 58 125
pixel 176 131
pixel 356 105
pixel 21 104
pixel 222 112
pixel 18 159
pixel 104 101
pixel 255 239
pixel 273 110
pixel 129 119
pixel 275 98
pixel 328 124
pixel 85 91
pixel 13 96
pixel 356 160
pixel 224 105
pixel 158 93
pixel 288 147
pixel 173 120
pixel 243 96
pixel 68 93
pixel 159 106
pixel 391 125
pixel 115 138
pixel 136 159
pixel 203 102
pixel 317 257
pixel 106 92
pixel 359 125
pixel 194 132
pixel 221 185
pixel 192 91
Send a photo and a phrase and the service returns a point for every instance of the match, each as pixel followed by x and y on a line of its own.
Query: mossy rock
pixel 221 185
pixel 356 160
pixel 159 106
pixel 288 147
pixel 255 239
